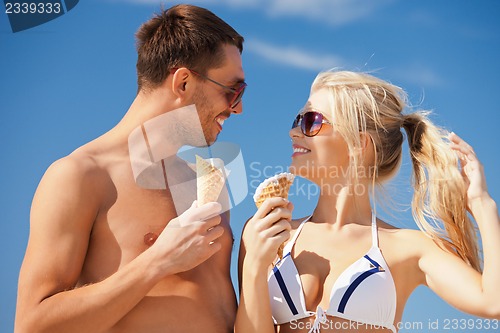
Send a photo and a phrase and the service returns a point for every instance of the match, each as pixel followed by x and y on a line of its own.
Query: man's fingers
pixel 211 222
pixel 214 233
pixel 205 211
pixel 214 248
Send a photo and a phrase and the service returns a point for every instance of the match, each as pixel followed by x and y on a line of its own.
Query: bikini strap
pixel 288 247
pixel 374 231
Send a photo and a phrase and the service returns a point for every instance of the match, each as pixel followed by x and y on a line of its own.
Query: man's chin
pixel 211 140
pixel 211 143
pixel 204 144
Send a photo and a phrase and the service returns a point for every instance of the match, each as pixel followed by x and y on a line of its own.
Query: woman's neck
pixel 340 205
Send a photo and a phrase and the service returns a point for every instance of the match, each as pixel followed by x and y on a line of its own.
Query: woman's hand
pixel 266 231
pixel 472 170
pixel 471 291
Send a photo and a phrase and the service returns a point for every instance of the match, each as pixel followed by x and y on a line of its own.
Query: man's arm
pixel 63 211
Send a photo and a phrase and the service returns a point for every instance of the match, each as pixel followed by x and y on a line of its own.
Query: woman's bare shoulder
pixel 409 239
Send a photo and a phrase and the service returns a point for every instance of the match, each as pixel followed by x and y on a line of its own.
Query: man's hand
pixel 190 239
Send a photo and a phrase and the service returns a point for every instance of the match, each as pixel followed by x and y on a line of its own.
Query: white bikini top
pixel 364 292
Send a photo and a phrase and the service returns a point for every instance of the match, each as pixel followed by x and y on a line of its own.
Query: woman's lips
pixel 299 150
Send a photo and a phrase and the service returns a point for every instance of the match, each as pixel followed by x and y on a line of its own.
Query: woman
pixel 344 270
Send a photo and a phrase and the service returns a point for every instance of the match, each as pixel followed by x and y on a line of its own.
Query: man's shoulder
pixel 76 163
pixel 74 182
pixel 78 168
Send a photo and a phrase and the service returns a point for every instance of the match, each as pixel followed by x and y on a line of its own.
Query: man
pixel 108 255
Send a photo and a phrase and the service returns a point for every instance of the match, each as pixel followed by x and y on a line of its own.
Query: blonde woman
pixel 343 269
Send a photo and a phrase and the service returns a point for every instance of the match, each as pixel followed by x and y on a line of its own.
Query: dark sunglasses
pixel 310 122
pixel 235 95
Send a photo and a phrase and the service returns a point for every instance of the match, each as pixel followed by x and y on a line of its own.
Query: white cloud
pixel 419 75
pixel 231 3
pixel 293 56
pixel 424 18
pixel 333 12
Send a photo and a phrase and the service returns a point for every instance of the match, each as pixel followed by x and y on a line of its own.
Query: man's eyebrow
pixel 236 80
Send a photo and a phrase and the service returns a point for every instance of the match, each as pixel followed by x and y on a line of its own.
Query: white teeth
pixel 300 150
pixel 220 121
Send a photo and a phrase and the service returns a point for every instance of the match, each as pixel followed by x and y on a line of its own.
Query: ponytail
pixel 439 189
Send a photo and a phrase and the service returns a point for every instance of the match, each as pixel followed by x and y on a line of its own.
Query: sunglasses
pixel 234 95
pixel 310 122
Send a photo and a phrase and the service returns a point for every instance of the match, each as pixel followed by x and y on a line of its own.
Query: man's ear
pixel 182 78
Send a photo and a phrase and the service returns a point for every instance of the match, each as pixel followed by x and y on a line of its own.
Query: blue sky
pixel 70 80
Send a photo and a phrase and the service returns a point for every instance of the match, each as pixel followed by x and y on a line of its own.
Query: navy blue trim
pixel 284 291
pixel 357 282
pixel 374 263
pixel 280 260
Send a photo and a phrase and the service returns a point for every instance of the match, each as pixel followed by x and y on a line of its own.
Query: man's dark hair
pixel 182 36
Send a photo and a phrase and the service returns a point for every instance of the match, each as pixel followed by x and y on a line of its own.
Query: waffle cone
pixel 276 186
pixel 209 181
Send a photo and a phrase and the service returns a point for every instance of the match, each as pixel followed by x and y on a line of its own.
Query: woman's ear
pixel 366 145
pixel 366 140
pixel 182 78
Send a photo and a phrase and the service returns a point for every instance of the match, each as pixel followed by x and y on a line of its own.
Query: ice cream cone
pixel 209 180
pixel 276 186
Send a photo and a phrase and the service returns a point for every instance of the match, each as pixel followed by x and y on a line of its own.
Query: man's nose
pixel 238 109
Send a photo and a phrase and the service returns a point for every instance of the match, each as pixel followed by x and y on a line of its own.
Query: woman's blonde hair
pixel 362 103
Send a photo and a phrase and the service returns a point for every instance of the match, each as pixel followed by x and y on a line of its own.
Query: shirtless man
pixel 89 264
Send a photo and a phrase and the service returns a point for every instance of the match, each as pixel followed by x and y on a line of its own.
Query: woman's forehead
pixel 318 100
